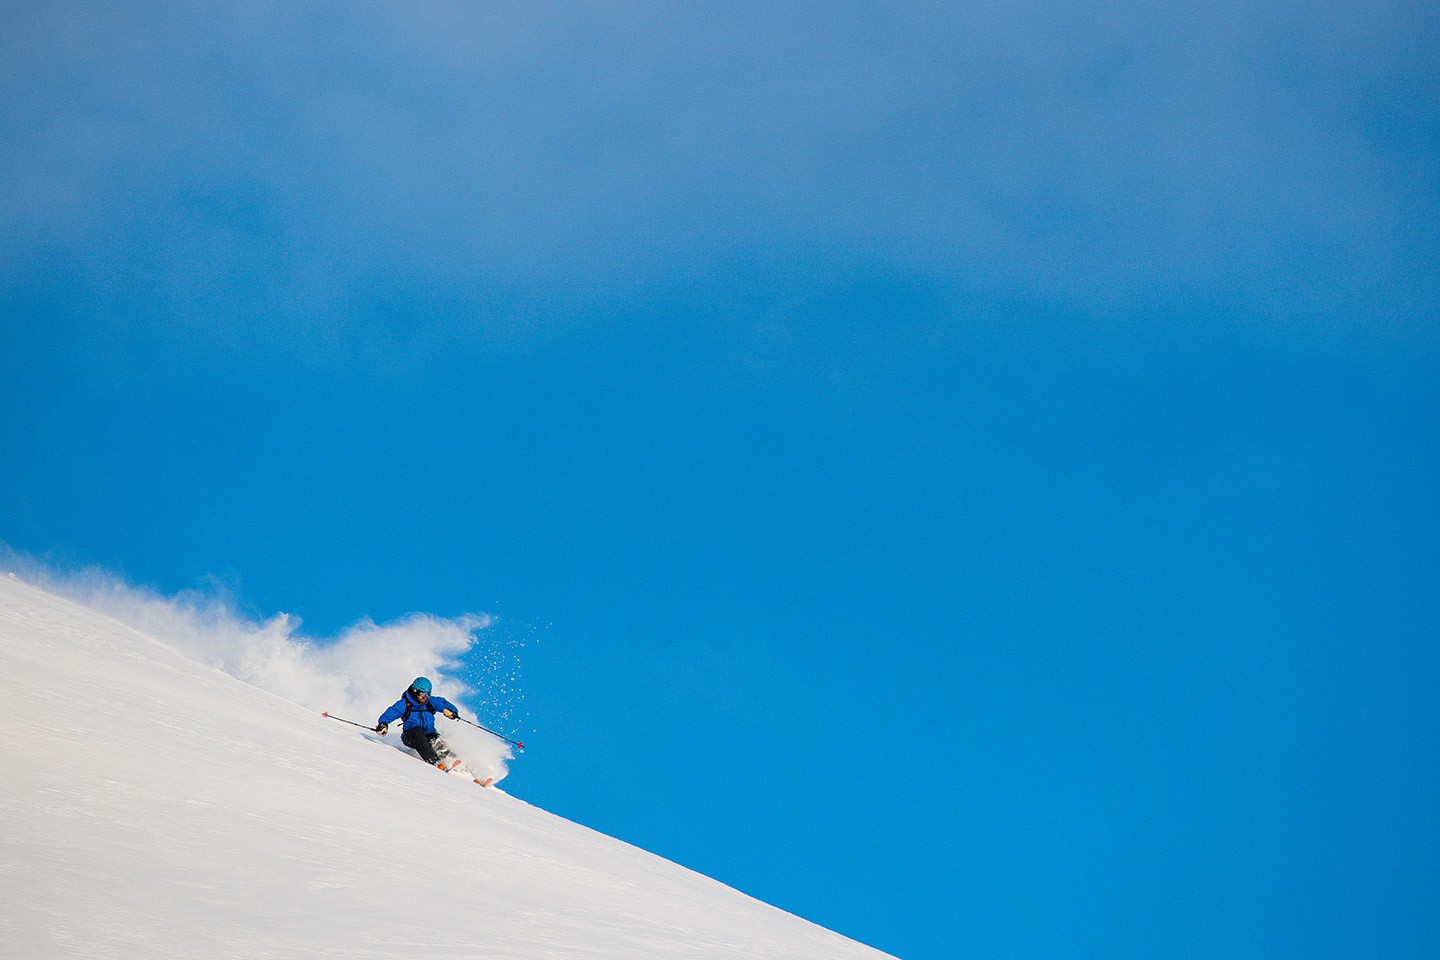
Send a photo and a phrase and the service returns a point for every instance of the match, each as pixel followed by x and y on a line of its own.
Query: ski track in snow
pixel 153 807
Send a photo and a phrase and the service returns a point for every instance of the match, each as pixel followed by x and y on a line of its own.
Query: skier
pixel 417 709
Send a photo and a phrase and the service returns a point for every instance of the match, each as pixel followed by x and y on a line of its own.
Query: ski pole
pixel 489 731
pixel 351 722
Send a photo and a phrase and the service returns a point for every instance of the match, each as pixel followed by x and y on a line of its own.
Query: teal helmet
pixel 421 685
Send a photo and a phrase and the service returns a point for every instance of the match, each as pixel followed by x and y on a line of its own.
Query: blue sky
pixel 969 474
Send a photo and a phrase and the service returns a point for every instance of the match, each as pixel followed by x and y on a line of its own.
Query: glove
pixel 452 714
pixel 381 728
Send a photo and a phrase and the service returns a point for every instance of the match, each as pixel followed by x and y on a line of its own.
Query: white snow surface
pixel 152 806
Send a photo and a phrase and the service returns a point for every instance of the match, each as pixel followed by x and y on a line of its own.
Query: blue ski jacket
pixel 415 713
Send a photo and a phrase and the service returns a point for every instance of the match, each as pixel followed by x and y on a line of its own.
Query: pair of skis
pixel 449 763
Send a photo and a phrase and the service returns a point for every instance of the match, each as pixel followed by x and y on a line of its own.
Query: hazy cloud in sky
pixel 232 166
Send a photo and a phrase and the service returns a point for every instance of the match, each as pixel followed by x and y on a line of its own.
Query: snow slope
pixel 153 807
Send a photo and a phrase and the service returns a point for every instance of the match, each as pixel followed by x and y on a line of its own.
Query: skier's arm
pixel 445 706
pixel 394 713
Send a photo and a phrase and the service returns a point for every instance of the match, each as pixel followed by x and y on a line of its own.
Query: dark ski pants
pixel 419 741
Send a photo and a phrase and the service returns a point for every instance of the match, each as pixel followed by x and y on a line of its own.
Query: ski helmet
pixel 421 685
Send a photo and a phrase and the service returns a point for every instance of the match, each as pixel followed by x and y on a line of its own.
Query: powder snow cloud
pixel 355 675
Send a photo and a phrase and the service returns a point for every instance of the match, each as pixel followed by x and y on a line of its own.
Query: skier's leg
pixel 419 741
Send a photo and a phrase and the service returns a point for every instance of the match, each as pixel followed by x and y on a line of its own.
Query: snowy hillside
pixel 155 807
